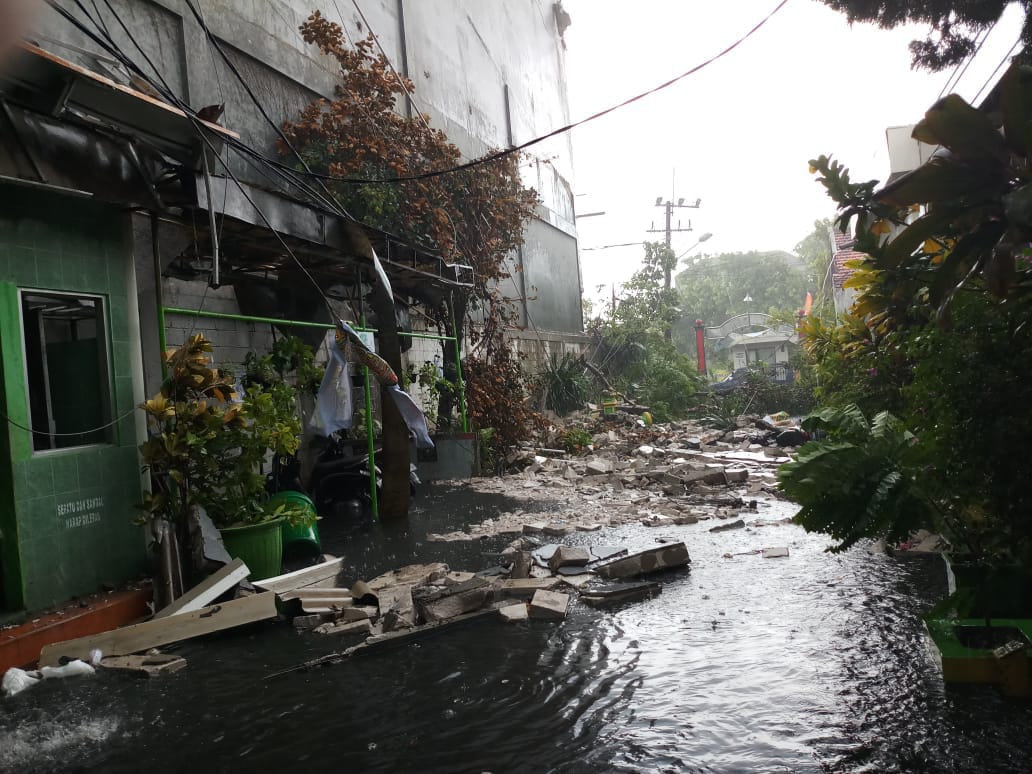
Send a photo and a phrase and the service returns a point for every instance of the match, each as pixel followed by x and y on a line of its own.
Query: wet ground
pixel 815 662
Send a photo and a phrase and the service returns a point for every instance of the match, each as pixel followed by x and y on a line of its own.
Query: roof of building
pixel 844 252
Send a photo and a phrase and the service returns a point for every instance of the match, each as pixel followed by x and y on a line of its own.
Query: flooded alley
pixel 811 662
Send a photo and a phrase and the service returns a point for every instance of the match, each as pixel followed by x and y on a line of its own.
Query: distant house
pixel 771 346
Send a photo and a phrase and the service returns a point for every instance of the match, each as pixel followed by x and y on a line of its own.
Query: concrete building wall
pixel 490 74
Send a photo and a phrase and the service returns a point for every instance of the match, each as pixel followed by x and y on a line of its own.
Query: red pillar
pixel 700 346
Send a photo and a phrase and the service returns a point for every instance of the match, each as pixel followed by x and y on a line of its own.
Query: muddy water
pixel 814 662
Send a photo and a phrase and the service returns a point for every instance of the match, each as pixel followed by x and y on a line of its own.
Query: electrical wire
pixel 490 157
pixel 47 433
pixel 1006 58
pixel 962 67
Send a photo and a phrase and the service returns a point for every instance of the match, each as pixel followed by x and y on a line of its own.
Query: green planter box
pixel 259 545
pixel 962 663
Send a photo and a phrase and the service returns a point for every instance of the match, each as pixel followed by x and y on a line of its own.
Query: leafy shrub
pixel 859 482
pixel 566 387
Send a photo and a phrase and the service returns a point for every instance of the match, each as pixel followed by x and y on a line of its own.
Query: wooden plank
pixel 153 634
pixel 207 591
pixel 301 578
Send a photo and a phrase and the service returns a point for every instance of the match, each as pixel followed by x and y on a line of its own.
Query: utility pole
pixel 668 265
pixel 669 207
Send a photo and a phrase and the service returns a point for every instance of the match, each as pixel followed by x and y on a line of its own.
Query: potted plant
pixel 207 446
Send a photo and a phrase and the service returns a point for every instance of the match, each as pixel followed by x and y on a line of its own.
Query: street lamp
pixel 702 239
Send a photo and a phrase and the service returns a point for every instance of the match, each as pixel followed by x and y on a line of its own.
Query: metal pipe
pixel 371 445
pixel 156 256
pixel 458 373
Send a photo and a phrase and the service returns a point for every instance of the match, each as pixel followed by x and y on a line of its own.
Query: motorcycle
pixel 335 479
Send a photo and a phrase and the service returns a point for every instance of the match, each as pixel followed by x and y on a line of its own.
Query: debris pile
pixel 419 600
pixel 659 475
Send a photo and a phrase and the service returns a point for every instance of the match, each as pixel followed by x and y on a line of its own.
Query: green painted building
pixel 69 471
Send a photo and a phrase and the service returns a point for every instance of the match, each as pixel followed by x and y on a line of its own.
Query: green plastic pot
pixel 259 545
pixel 299 542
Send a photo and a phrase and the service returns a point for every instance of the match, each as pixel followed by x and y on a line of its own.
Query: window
pixel 66 362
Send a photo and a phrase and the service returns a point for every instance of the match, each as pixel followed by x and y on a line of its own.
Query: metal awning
pixel 47 83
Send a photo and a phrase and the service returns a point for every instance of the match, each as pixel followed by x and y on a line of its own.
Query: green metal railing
pixel 163 310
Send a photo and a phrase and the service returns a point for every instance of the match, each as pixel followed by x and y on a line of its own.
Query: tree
pixel 816 251
pixel 940 329
pixel 715 287
pixel 953 25
pixel 635 345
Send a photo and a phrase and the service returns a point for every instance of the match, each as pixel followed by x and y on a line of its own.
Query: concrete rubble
pixel 675 474
pixel 415 601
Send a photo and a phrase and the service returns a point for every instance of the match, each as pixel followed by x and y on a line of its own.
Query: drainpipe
pixel 403 50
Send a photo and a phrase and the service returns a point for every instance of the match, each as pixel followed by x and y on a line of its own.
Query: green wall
pixel 65 515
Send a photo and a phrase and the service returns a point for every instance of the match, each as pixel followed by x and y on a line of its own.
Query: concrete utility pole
pixel 668 230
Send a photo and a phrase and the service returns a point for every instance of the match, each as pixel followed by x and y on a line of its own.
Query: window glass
pixel 66 361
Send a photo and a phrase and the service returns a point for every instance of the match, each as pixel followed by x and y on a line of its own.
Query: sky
pixel 738 134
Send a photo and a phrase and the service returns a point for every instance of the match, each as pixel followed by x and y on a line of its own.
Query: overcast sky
pixel 738 134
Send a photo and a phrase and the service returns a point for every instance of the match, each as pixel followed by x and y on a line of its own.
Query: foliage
pixel 566 387
pixel 494 388
pixel 954 25
pixel 852 364
pixel 575 439
pixel 431 386
pixel 939 330
pixel 634 345
pixel 291 358
pixel 859 482
pixel 207 444
pixel 968 401
pixel 977 211
pixel 816 251
pixel 713 289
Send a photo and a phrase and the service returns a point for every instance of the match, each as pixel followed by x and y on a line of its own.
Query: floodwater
pixel 815 662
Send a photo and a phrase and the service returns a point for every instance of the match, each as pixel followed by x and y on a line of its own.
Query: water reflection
pixel 814 662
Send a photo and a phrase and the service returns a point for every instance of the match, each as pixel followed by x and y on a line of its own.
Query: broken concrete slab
pixel 151 634
pixel 617 593
pixel 523 588
pixel 601 553
pixel 738 524
pixel 146 666
pixel 354 628
pixel 589 527
pixel 569 556
pixel 514 613
pixel 549 605
pixel 534 528
pixel 663 557
pixel 397 610
pixel 521 564
pixel 412 575
pixel 578 581
pixel 775 553
pixel 440 603
pixel 557 529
